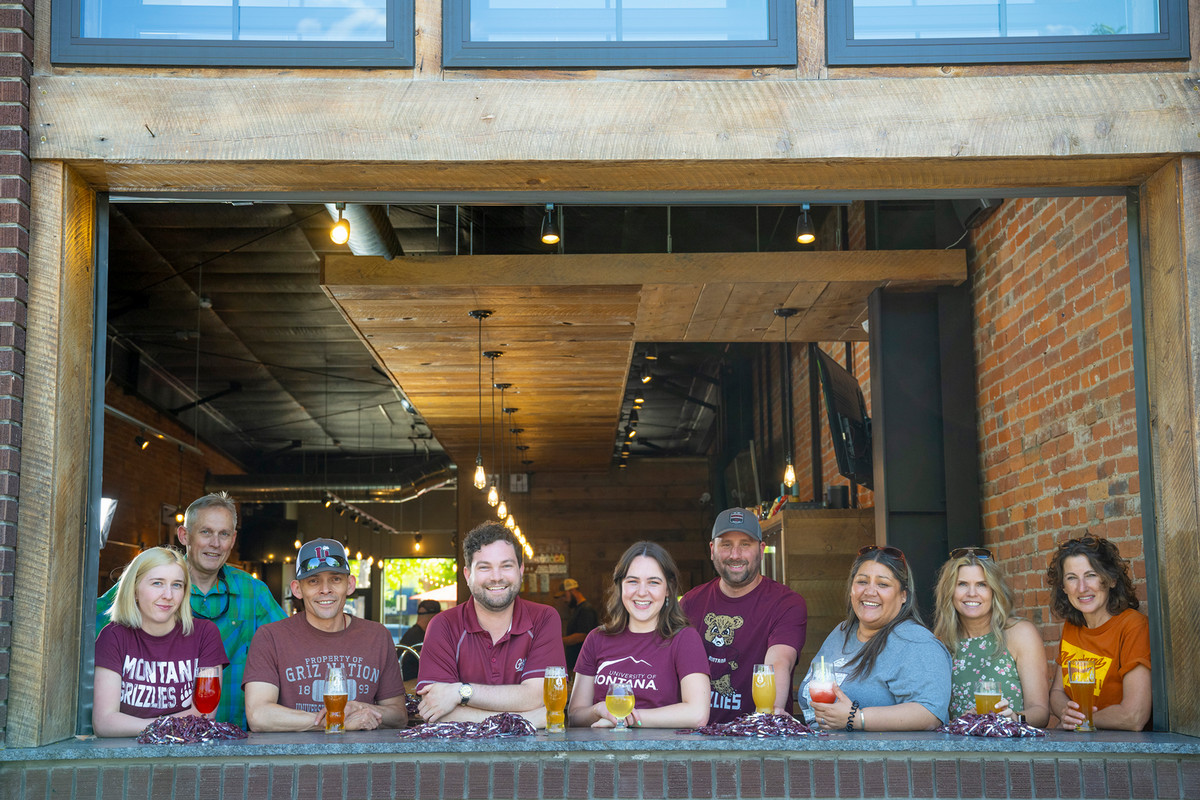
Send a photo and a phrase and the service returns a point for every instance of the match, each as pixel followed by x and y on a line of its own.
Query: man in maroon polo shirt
pixel 490 654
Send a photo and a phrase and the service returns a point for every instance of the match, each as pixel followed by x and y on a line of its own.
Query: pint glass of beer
pixel 764 689
pixel 1081 687
pixel 987 695
pixel 554 694
pixel 335 700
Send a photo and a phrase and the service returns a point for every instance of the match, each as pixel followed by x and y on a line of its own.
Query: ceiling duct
pixel 407 485
pixel 371 232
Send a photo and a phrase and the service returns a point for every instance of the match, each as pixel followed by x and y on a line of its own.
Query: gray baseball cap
pixel 738 519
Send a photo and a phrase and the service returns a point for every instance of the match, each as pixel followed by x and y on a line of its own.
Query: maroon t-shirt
pixel 158 673
pixel 457 649
pixel 737 632
pixel 653 665
pixel 294 656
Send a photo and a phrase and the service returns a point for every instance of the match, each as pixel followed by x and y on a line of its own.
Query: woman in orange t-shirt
pixel 1092 591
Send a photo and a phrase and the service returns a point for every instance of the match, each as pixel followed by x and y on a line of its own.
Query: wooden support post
pixel 1170 228
pixel 54 464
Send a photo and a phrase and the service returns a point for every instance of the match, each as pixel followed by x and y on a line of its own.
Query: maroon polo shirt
pixel 457 649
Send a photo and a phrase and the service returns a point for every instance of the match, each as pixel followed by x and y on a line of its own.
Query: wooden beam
pixel 653 269
pixel 1171 270
pixel 143 118
pixel 54 461
pixel 537 178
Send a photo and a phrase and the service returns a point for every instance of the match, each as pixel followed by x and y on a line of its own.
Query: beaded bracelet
pixel 850 719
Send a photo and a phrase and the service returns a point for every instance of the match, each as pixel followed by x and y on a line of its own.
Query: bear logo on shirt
pixel 723 685
pixel 721 628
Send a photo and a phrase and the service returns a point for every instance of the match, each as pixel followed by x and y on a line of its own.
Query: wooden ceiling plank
pixel 709 308
pixel 665 311
pixel 747 315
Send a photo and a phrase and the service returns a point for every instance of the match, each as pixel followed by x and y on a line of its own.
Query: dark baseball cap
pixel 321 555
pixel 429 607
pixel 738 519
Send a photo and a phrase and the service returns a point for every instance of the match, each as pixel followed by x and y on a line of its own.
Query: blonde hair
pixel 948 626
pixel 124 609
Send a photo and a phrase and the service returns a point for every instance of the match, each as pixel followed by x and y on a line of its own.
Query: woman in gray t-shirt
pixel 890 673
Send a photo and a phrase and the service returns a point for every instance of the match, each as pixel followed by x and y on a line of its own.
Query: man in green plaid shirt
pixel 238 603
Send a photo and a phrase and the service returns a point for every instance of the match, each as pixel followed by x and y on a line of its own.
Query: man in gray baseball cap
pixel 745 618
pixel 288 660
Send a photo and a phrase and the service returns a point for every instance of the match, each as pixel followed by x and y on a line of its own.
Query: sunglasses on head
pixel 1088 541
pixel 887 550
pixel 328 561
pixel 979 552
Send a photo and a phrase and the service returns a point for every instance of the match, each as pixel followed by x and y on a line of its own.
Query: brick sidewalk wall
pixel 653 775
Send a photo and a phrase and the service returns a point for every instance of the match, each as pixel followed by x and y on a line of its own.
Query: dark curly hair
pixel 1106 560
pixel 486 533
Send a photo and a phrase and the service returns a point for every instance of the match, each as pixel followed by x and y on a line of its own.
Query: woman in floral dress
pixel 975 621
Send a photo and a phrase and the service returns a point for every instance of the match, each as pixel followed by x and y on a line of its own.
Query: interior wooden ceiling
pixel 568 326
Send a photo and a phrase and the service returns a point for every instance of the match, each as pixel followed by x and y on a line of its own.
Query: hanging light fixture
pixel 550 229
pixel 493 495
pixel 804 227
pixel 502 510
pixel 480 475
pixel 511 522
pixel 340 232
pixel 789 472
pixel 417 543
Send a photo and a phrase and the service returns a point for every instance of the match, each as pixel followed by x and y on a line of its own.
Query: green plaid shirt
pixel 239 605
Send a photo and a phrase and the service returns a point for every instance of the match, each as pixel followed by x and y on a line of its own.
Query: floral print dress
pixel 975 660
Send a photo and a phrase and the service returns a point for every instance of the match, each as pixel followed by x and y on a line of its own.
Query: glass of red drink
pixel 820 688
pixel 207 693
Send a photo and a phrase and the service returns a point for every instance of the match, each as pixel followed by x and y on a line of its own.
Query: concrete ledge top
pixel 638 743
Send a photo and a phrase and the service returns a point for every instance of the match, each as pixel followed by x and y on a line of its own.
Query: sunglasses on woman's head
pixel 1088 541
pixel 979 552
pixel 887 550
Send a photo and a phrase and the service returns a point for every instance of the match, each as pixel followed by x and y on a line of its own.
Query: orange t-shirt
pixel 1115 647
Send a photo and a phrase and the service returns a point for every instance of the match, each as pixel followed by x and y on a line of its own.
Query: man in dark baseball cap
pixel 745 618
pixel 288 660
pixel 415 636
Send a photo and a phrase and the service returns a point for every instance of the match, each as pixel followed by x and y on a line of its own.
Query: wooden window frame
pixel 844 50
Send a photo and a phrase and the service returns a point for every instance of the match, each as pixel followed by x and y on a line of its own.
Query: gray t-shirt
pixel 913 667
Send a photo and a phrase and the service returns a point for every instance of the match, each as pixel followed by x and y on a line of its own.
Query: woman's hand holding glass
pixel 832 716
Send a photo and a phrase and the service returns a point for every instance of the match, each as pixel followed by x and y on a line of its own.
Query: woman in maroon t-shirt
pixel 646 642
pixel 146 659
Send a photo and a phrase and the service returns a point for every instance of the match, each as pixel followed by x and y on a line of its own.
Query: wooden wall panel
pixel 1171 268
pixel 54 465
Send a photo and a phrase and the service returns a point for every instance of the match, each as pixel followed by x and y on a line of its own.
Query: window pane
pixel 946 19
pixel 619 20
pixel 232 20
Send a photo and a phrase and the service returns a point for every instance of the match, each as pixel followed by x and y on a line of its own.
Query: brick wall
pixel 721 774
pixel 16 51
pixel 1054 361
pixel 143 480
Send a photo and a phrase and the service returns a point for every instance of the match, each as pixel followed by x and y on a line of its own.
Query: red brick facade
pixel 1054 367
pixel 16 52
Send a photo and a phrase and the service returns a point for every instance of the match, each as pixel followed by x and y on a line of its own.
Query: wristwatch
pixel 465 691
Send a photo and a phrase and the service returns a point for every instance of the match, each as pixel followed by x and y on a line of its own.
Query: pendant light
pixel 804 227
pixel 340 232
pixel 550 230
pixel 789 472
pixel 493 495
pixel 480 475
